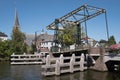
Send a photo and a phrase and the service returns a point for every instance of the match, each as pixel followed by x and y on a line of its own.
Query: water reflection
pixel 87 75
pixel 32 72
pixel 76 76
pixel 26 72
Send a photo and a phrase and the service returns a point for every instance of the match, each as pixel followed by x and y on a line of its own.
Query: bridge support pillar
pixel 100 64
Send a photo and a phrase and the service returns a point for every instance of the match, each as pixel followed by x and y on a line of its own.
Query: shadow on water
pixel 32 72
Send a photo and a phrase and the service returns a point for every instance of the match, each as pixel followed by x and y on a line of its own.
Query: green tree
pixel 33 48
pixel 111 40
pixel 5 48
pixel 67 36
pixel 17 41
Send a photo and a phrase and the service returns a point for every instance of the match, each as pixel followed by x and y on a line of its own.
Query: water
pixel 32 72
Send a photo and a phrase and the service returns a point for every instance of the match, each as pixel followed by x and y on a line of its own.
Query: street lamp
pixel 36 40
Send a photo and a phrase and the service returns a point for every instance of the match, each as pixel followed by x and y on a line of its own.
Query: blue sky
pixel 35 15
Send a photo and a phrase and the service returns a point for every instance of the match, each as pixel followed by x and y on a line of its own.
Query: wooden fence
pixel 27 59
pixel 56 66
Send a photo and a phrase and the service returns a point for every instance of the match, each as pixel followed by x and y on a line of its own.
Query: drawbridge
pixel 75 17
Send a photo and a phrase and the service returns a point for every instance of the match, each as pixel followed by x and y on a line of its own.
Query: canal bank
pixel 4 59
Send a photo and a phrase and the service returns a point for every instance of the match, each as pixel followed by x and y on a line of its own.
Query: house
pixel 44 41
pixel 87 40
pixel 3 36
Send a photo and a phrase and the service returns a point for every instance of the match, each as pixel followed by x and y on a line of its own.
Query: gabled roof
pixel 3 34
pixel 45 37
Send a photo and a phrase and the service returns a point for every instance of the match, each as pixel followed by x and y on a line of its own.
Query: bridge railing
pixel 76 48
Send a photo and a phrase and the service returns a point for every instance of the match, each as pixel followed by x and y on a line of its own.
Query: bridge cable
pixel 106 25
pixel 86 27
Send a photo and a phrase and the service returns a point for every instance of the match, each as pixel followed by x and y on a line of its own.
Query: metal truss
pixel 79 15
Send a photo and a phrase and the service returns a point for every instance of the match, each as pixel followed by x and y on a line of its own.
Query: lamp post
pixel 36 41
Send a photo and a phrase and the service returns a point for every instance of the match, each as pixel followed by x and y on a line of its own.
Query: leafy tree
pixel 33 48
pixel 111 40
pixel 67 36
pixel 17 41
pixel 5 49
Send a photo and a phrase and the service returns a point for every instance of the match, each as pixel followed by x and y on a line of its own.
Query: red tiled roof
pixel 115 46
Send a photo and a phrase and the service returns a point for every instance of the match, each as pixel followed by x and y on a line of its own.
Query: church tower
pixel 16 22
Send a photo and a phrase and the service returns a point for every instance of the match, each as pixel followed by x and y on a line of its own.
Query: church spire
pixel 16 23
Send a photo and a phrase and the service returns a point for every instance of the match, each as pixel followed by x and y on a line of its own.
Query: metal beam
pixel 66 16
pixel 96 11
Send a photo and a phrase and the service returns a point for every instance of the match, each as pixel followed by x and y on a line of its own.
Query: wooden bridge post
pixel 13 54
pixel 71 66
pixel 57 68
pixel 43 58
pixel 48 60
pixel 61 59
pixel 82 62
pixel 24 53
pixel 72 61
pixel 73 57
pixel 19 57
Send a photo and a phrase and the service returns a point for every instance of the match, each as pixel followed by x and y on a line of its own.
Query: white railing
pixel 56 66
pixel 113 57
pixel 27 58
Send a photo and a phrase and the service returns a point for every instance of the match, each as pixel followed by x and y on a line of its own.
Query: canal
pixel 32 72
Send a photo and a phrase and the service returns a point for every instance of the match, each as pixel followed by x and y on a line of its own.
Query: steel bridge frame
pixel 76 17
